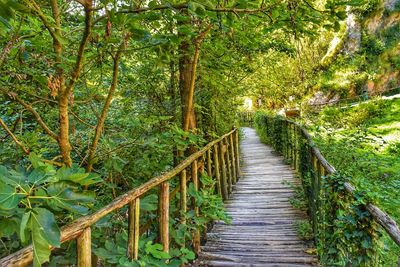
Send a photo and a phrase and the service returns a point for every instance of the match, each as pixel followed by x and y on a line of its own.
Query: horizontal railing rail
pixel 219 159
pixel 291 137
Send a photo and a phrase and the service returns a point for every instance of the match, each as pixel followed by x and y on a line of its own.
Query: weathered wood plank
pixel 262 231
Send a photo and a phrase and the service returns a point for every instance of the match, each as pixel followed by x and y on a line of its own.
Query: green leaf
pixel 197 8
pixel 44 233
pixel 43 221
pixel 78 176
pixel 8 226
pixel 23 225
pixel 63 197
pixel 156 251
pixel 149 203
pixel 41 249
pixel 5 11
pixel 9 197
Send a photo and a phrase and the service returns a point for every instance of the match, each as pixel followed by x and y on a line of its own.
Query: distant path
pixel 262 232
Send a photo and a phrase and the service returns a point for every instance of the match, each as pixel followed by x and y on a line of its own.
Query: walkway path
pixel 262 231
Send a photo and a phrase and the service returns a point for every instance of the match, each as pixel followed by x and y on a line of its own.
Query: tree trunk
pixel 107 103
pixel 185 81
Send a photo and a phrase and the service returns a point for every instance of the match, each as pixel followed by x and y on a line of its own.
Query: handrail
pixel 322 167
pixel 225 156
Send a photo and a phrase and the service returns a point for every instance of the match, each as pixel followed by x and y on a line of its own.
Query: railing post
pixel 315 190
pixel 228 165
pixel 183 199
pixel 293 147
pixel 195 179
pixel 84 247
pixel 209 170
pixel 297 149
pixel 233 161
pixel 217 171
pixel 133 229
pixel 223 169
pixel 237 153
pixel 164 215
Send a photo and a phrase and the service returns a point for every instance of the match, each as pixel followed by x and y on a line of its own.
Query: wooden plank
pixel 209 165
pixel 263 227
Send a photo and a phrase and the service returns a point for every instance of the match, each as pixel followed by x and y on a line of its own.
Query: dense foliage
pixel 97 97
pixel 360 58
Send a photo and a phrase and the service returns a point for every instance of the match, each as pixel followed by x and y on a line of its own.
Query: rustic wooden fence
pixel 296 145
pixel 220 159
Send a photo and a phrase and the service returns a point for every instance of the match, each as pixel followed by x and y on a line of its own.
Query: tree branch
pixel 10 133
pixel 87 4
pixel 197 42
pixel 36 8
pixel 26 150
pixel 107 103
pixel 14 96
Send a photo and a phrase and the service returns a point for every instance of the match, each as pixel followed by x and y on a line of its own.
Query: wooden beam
pixel 84 248
pixel 195 179
pixel 217 170
pixel 164 215
pixel 133 229
pixel 236 132
pixel 233 160
pixel 224 184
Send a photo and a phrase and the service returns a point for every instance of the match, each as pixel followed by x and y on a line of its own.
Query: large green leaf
pixel 23 226
pixel 44 233
pixel 41 249
pixel 42 220
pixel 8 226
pixel 156 250
pixel 78 176
pixel 64 197
pixel 149 203
pixel 9 197
pixel 41 175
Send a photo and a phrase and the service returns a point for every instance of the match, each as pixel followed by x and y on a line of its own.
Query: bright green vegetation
pixel 363 142
pixel 98 97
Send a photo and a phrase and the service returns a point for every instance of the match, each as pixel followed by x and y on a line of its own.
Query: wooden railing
pixel 220 159
pixel 287 138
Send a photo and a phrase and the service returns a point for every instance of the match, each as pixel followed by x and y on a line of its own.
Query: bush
pixel 371 45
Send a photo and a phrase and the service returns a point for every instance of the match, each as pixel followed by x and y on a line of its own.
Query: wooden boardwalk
pixel 262 231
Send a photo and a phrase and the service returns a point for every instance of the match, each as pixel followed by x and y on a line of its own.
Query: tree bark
pixel 187 79
pixel 66 91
